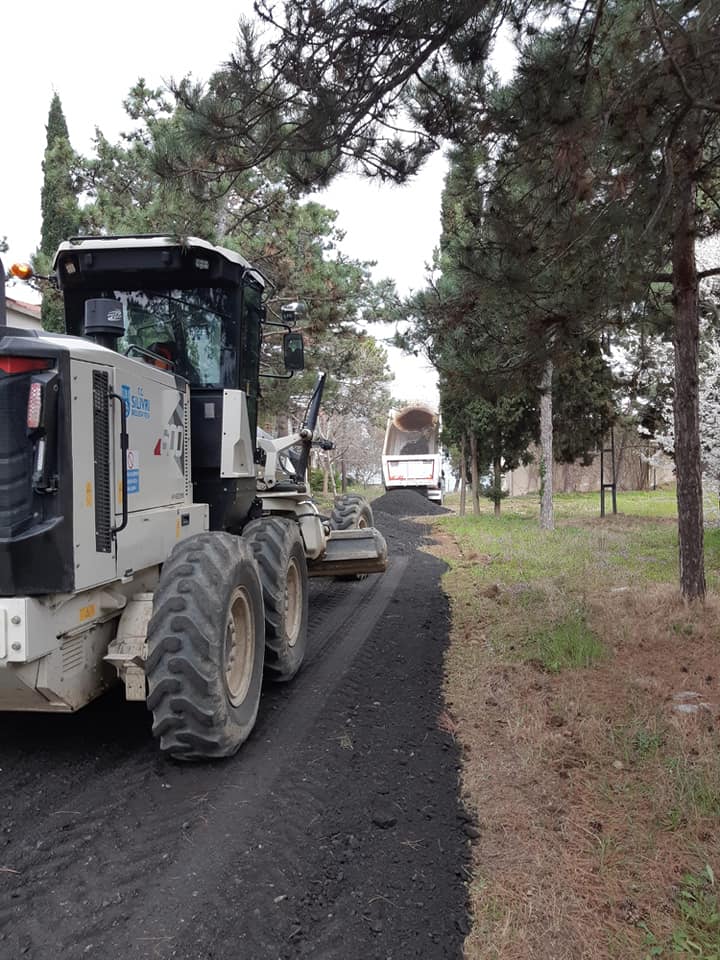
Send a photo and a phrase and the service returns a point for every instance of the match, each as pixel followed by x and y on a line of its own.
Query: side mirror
pixel 293 352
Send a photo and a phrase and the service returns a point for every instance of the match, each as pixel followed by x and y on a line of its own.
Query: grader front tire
pixel 351 512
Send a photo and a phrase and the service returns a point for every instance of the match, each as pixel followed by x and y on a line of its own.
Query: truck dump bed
pixel 411 453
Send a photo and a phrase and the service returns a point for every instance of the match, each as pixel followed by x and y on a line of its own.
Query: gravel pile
pixel 407 503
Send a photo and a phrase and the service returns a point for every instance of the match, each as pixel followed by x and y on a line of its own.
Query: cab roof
pixel 154 242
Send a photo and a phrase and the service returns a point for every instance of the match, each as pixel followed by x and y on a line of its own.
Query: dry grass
pixel 595 797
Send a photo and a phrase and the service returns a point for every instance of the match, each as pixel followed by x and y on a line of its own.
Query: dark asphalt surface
pixel 336 831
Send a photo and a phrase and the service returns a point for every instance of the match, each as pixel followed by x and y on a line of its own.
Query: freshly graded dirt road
pixel 336 832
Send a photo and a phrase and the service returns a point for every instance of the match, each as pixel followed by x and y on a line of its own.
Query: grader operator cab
pixel 147 530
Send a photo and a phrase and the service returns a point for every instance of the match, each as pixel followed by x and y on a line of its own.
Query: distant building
pixel 21 314
pixel 639 465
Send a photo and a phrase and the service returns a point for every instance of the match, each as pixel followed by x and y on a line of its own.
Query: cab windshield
pixel 191 329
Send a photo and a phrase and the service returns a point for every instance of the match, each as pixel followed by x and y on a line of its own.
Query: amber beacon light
pixel 23 271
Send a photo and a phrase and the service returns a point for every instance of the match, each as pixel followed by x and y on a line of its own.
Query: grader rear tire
pixel 351 512
pixel 205 648
pixel 277 546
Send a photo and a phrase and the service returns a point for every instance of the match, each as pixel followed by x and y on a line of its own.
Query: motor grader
pixel 148 531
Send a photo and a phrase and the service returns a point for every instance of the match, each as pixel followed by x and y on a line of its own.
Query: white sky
pixel 92 55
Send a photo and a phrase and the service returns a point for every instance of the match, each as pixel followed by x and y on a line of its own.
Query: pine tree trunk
pixel 463 476
pixel 547 519
pixel 221 221
pixel 474 474
pixel 686 403
pixel 331 470
pixel 497 481
pixel 343 475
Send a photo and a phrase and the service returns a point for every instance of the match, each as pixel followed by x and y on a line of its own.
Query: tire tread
pixel 273 541
pixel 185 637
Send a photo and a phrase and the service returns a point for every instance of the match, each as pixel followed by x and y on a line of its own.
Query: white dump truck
pixel 412 458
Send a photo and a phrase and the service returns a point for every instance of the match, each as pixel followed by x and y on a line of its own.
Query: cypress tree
pixel 59 206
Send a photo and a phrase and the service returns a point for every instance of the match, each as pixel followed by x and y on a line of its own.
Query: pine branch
pixel 695 102
pixel 701 275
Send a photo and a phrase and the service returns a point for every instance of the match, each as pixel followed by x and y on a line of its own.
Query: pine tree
pixel 294 244
pixel 615 115
pixel 334 84
pixel 484 396
pixel 60 209
pixel 496 335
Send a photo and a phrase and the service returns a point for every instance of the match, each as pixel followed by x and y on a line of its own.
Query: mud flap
pixel 351 552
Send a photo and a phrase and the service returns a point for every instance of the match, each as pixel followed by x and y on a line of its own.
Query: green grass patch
pixel 581 555
pixel 543 579
pixel 530 589
pixel 519 550
pixel 567 645
pixel 697 787
pixel 645 552
pixel 697 932
pixel 627 550
pixel 712 552
pixel 637 503
pixel 640 740
pixel 647 503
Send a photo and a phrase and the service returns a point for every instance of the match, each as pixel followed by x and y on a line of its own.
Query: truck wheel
pixel 351 512
pixel 278 548
pixel 205 648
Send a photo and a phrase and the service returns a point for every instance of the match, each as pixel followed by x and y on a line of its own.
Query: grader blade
pixel 351 552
